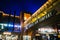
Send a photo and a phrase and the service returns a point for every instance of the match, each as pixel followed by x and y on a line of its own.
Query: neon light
pixel 9 25
pixel 2 27
pixel 5 24
pixel 17 26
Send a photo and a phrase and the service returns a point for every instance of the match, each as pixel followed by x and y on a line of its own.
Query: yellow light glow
pixel 38 16
pixel 5 14
pixel 10 15
pixel 26 16
pixel 41 15
pixel 37 35
pixel 33 20
pixel 58 36
pixel 8 33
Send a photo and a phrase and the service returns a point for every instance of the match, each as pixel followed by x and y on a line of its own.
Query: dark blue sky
pixel 20 5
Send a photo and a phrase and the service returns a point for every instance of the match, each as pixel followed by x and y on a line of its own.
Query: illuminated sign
pixel 49 14
pixel 17 28
pixel 9 27
pixel 46 30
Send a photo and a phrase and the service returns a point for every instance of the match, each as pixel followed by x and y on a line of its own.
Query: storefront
pixel 8 36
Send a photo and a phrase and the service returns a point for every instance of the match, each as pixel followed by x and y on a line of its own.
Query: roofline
pixel 4 14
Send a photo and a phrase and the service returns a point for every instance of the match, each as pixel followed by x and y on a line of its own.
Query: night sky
pixel 20 5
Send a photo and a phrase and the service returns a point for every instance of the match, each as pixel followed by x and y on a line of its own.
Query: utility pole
pixel 22 25
pixel 23 17
pixel 1 15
